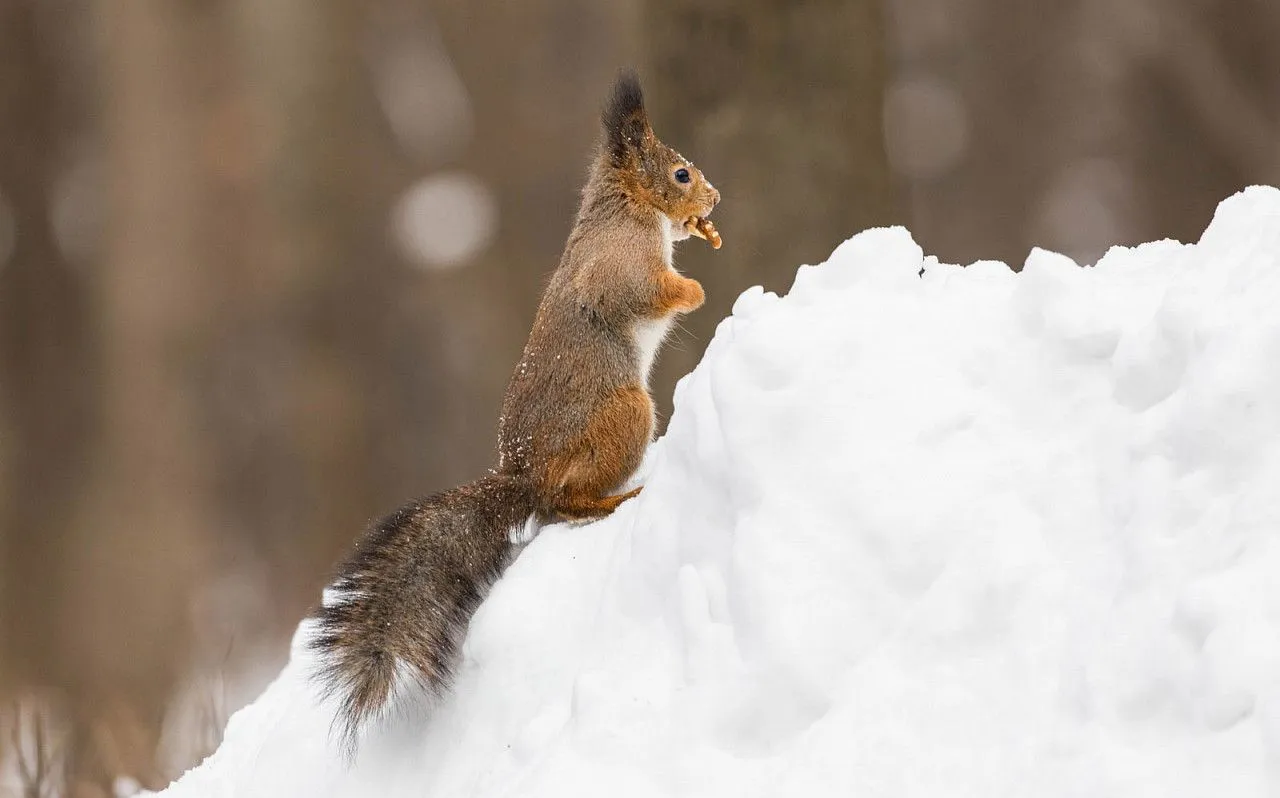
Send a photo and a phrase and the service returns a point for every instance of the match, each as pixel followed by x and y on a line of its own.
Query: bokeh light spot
pixel 444 220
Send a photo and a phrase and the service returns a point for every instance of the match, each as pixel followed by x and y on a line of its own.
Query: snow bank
pixel 965 533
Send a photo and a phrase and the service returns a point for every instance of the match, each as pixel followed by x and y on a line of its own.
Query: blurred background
pixel 265 266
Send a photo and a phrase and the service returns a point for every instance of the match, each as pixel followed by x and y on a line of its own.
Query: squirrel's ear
pixel 626 125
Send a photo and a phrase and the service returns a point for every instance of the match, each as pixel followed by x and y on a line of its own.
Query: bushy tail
pixel 397 612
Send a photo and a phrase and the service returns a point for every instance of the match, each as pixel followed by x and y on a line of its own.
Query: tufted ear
pixel 626 125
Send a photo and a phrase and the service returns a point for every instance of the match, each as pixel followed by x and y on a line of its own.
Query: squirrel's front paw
pixel 696 295
pixel 678 294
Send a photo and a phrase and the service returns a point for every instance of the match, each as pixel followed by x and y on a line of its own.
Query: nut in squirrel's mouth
pixel 702 227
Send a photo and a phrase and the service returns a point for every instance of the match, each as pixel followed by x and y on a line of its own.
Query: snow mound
pixel 965 532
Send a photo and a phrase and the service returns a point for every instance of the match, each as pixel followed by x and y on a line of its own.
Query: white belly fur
pixel 649 335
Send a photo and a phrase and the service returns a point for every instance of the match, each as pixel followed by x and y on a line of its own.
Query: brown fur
pixel 576 420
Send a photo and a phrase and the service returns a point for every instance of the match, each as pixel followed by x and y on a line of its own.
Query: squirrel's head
pixel 650 170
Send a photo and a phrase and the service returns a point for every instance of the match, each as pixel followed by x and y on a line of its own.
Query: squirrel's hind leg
pixel 585 508
pixel 579 480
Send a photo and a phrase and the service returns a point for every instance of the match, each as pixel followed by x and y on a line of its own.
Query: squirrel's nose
pixel 715 196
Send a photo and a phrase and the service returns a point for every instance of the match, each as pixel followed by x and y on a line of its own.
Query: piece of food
pixel 704 229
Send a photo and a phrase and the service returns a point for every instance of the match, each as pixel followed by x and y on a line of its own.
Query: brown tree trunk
pixel 139 538
pixel 310 331
pixel 45 384
pixel 780 104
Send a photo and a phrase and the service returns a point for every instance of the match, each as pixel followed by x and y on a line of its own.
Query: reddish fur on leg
pixel 677 294
pixel 578 481
pixel 579 507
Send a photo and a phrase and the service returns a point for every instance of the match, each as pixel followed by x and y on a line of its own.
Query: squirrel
pixel 576 420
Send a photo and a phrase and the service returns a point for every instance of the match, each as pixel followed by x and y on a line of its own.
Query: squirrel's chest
pixel 648 335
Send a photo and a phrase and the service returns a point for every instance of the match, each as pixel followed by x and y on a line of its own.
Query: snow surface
pixel 971 533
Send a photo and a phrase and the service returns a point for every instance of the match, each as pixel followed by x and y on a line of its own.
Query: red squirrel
pixel 576 420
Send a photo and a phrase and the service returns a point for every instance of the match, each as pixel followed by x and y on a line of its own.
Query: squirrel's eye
pixel 682 175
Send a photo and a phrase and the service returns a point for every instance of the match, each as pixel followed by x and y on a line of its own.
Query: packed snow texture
pixel 966 532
